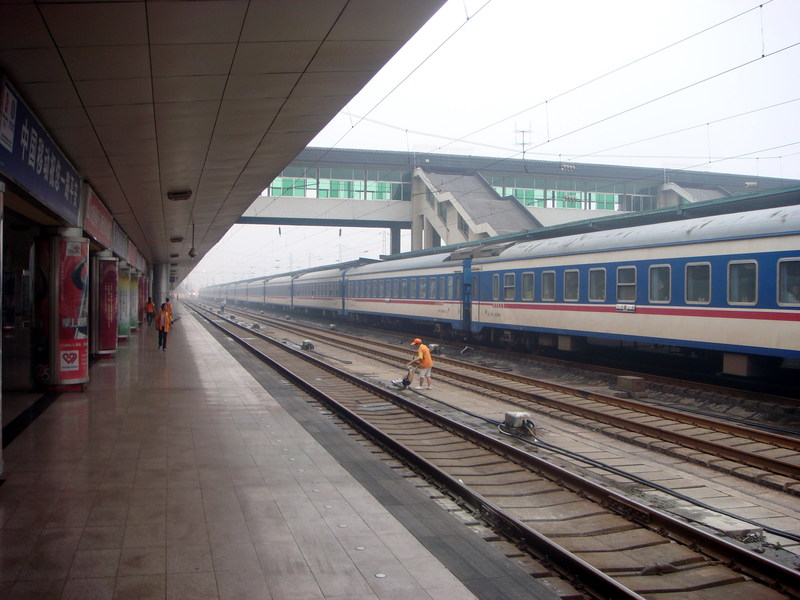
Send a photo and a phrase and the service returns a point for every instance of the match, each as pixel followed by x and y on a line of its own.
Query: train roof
pixel 402 264
pixel 335 272
pixel 741 225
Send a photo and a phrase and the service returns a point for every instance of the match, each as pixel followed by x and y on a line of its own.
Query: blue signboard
pixel 30 158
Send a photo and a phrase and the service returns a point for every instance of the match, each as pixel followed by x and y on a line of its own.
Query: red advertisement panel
pixel 97 222
pixel 107 306
pixel 72 362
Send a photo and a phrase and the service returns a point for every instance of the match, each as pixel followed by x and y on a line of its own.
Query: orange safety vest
pixel 163 320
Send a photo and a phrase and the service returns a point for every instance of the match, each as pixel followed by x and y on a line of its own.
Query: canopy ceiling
pixel 210 97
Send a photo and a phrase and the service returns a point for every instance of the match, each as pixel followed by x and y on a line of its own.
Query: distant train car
pixel 319 292
pixel 721 283
pixel 278 293
pixel 254 294
pixel 426 290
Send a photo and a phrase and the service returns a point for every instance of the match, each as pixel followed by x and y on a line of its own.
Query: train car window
pixel 571 285
pixel 626 284
pixel 698 283
pixel 509 286
pixel 597 285
pixel 660 279
pixel 450 288
pixel 395 288
pixel 432 288
pixel 412 287
pixel 528 281
pixel 423 288
pixel 380 289
pixel 789 281
pixel 404 288
pixel 442 288
pixel 549 285
pixel 742 282
pixel 496 287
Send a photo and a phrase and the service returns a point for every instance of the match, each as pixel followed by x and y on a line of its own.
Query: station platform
pixel 179 474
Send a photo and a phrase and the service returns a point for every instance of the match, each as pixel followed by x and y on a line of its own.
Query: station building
pixel 451 199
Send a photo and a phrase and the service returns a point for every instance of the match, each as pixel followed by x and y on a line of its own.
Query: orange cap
pixel 416 341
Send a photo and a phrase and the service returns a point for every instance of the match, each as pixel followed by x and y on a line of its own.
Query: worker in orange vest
pixel 423 362
pixel 163 324
pixel 150 310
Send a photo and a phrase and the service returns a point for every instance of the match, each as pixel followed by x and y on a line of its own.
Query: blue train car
pixel 425 290
pixel 721 283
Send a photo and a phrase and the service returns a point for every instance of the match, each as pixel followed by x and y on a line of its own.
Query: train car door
pixel 475 299
pixel 466 299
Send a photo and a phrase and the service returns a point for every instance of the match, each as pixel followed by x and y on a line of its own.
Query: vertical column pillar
pixel 134 299
pixel 69 311
pixel 160 283
pixel 123 301
pixel 418 191
pixel 103 318
pixel 394 240
pixel 2 297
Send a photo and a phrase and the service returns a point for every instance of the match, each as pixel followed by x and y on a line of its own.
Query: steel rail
pixel 464 373
pixel 776 575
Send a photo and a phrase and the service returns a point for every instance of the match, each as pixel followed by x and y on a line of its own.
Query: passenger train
pixel 728 284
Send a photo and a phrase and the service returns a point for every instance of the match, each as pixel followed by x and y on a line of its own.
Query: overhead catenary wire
pixel 536 150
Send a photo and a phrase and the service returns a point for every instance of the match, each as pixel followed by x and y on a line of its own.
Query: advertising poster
pixel 123 302
pixel 134 294
pixel 72 362
pixel 107 305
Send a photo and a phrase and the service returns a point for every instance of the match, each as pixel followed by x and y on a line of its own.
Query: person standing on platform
pixel 424 364
pixel 163 324
pixel 150 310
pixel 168 304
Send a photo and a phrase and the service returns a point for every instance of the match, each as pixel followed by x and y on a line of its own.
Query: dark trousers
pixel 162 338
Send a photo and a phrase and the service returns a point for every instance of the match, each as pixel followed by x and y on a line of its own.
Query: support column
pixel 123 301
pixel 2 191
pixel 160 283
pixel 103 305
pixel 394 240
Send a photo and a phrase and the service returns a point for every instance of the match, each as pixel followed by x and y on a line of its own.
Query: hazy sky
pixel 708 85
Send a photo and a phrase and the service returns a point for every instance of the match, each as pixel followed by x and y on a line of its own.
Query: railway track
pixel 768 458
pixel 607 546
